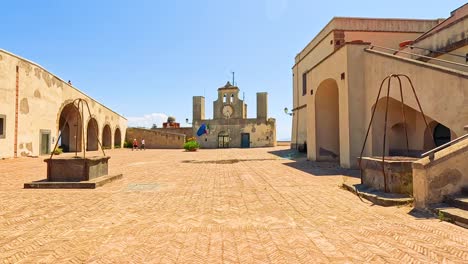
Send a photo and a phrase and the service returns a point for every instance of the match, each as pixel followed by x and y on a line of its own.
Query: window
pixel 2 126
pixel 224 98
pixel 232 98
pixel 304 83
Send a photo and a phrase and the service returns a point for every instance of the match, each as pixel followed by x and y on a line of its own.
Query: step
pixel 92 184
pixel 459 201
pixel 451 214
pixel 378 197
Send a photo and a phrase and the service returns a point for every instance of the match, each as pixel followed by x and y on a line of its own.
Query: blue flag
pixel 201 130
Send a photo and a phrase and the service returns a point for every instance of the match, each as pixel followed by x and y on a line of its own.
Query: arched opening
pixel 441 135
pixel 92 134
pixel 106 137
pixel 327 125
pixel 117 138
pixel 419 137
pixel 397 140
pixel 70 129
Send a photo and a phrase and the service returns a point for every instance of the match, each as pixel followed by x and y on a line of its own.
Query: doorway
pixel 44 140
pixel 245 140
pixel 223 140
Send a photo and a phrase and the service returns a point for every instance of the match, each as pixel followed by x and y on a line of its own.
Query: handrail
pixel 440 52
pixel 422 56
pixel 434 150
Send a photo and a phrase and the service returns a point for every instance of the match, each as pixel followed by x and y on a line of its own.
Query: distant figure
pixel 142 144
pixel 135 144
pixel 69 82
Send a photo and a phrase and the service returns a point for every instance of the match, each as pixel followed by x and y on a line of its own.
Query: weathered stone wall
pixel 156 139
pixel 445 174
pixel 187 131
pixel 262 134
pixel 41 98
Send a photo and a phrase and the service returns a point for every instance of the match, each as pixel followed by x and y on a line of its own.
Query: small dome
pixel 171 119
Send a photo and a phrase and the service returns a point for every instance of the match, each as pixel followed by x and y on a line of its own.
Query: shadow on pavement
pixel 321 168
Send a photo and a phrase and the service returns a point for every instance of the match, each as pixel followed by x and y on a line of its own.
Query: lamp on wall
pixel 286 111
pixel 187 121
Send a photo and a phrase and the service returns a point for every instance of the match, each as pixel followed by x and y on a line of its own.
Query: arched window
pixel 224 98
pixel 232 98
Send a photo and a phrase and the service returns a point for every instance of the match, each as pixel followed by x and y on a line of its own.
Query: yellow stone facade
pixel 336 78
pixel 35 106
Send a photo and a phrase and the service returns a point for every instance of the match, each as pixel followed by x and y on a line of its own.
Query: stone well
pixel 74 169
pixel 398 171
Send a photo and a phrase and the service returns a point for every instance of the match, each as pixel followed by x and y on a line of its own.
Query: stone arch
pixel 106 137
pixel 92 135
pixel 419 136
pixel 327 123
pixel 117 137
pixel 70 128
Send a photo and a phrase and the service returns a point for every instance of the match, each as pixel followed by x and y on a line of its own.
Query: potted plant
pixel 191 144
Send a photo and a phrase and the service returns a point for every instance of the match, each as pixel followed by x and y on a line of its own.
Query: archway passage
pixel 92 135
pixel 106 137
pixel 419 135
pixel 442 135
pixel 70 129
pixel 327 125
pixel 117 138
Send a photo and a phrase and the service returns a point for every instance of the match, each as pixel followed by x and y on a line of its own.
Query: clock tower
pixel 228 105
pixel 230 127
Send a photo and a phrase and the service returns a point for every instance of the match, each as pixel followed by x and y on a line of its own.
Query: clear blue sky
pixel 148 58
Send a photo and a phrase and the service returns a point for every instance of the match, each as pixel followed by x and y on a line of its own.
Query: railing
pixel 440 52
pixel 434 150
pixel 395 51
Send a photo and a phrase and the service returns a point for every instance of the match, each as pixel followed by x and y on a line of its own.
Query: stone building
pixel 336 78
pixel 35 106
pixel 230 126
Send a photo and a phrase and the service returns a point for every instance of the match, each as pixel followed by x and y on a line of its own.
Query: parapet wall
pixel 187 131
pixel 155 139
pixel 444 174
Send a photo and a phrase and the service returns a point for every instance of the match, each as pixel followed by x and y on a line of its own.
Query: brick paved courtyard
pixel 212 206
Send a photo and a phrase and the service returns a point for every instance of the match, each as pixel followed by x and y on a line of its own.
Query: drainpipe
pixel 16 113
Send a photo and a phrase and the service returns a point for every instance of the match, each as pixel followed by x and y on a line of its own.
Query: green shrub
pixel 58 151
pixel 116 146
pixel 128 144
pixel 191 145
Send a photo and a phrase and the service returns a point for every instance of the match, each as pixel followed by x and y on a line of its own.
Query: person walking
pixel 135 144
pixel 142 144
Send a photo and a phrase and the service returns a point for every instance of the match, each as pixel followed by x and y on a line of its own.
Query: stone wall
pixel 262 134
pixel 39 98
pixel 187 131
pixel 156 139
pixel 444 174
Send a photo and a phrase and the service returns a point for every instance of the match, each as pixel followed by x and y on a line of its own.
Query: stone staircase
pixel 454 209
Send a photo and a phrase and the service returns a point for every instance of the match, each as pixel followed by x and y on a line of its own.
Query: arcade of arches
pixel 71 132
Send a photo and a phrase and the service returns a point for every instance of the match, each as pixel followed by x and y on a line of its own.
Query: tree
pixel 154 126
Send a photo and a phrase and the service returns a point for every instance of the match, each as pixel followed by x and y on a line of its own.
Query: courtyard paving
pixel 213 206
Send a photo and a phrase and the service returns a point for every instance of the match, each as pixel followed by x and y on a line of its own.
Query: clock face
pixel 227 110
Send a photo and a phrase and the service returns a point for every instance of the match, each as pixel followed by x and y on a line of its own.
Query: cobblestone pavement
pixel 212 206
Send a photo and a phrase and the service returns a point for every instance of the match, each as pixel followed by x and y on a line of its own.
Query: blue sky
pixel 146 59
